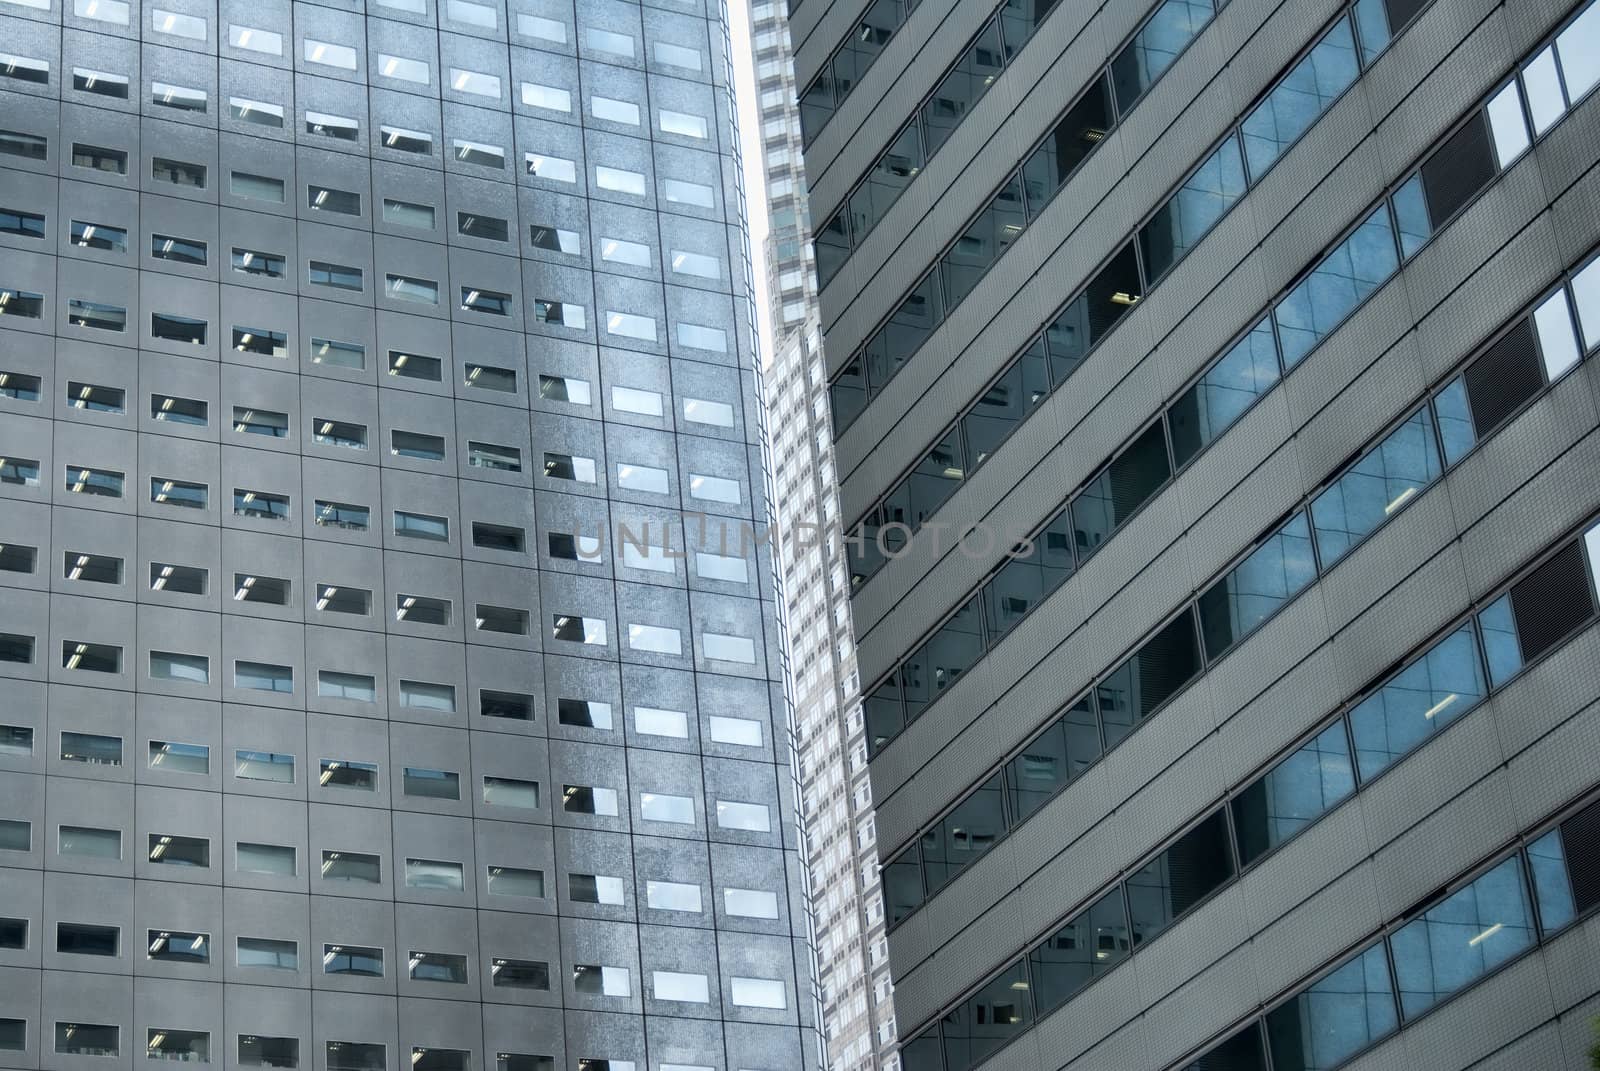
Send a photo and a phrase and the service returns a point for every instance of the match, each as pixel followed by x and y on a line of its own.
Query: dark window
pixel 1552 601
pixel 1458 169
pixel 13 933
pixel 261 341
pixel 438 967
pixel 1121 488
pixel 260 504
pixel 520 974
pixel 20 143
pixel 178 172
pixel 326 199
pixel 251 587
pixel 255 262
pixel 179 579
pixel 165 492
pixel 497 537
pixel 356 1056
pixel 171 850
pixel 96 315
pixel 1133 691
pixel 113 161
pixel 512 705
pixel 91 657
pixel 352 959
pixel 19 386
pixel 1066 748
pixel 488 377
pixel 180 250
pixel 91 568
pixel 960 837
pixel 257 1050
pixel 91 749
pixel 489 228
pixel 175 946
pixel 24 224
pixel 1091 943
pixel 963 87
pixel 173 328
pixel 1194 867
pixel 415 366
pixel 988 1019
pixel 190 411
pixel 85 939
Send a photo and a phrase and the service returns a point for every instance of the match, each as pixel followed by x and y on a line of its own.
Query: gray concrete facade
pixel 1015 877
pixel 380 427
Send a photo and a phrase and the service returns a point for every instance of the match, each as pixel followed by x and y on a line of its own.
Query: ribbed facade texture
pixel 392 676
pixel 1215 414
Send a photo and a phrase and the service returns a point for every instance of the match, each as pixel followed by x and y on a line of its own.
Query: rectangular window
pixel 16 740
pixel 555 240
pixel 356 1056
pixel 81 480
pixel 750 903
pixel 740 731
pixel 600 980
pixel 336 276
pixel 21 471
pixel 101 236
pixel 347 773
pixel 520 974
pixel 435 874
pixel 510 792
pixel 330 55
pixel 425 695
pixel 346 515
pixel 337 127
pixel 23 224
pixel 356 687
pixel 758 993
pixel 262 505
pixel 266 858
pixel 488 302
pixel 493 456
pixel 93 398
pixel 252 421
pixel 23 144
pixel 19 386
pixel 262 342
pixel 415 366
pixel 177 946
pixel 673 985
pixel 752 817
pixel 584 713
pixel 658 807
pixel 503 619
pixel 258 112
pixel 91 748
pixel 515 881
pixel 360 960
pixel 587 799
pixel 407 70
pixel 178 98
pixel 683 124
pixel 407 289
pixel 548 97
pixel 174 757
pixel 713 488
pixel 572 629
pixel 84 939
pixel 264 952
pixel 353 867
pixel 259 1050
pixel 87 1039
pixel 672 896
pixel 488 377
pixel 480 154
pixel 263 677
pixel 402 140
pixel 178 579
pixel 112 11
pixel 437 967
pixel 85 842
pixel 172 850
pixel 96 315
pixel 415 444
pixel 328 199
pixel 91 657
pixel 487 228
pixel 255 262
pixel 568 467
pixel 91 568
pixel 421 526
pixel 15 836
pixel 173 328
pixel 263 766
pixel 266 42
pixel 614 111
pixel 513 705
pixel 96 158
pixel 250 187
pixel 339 433
pixel 431 784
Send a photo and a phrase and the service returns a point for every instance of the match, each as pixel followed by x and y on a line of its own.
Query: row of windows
pixel 1338 283
pixel 173 28
pixel 1263 134
pixel 1400 714
pixel 1162 37
pixel 283 1053
pixel 330 202
pixel 1386 478
pixel 356 868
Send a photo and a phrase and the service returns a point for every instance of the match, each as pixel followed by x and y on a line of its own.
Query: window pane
pixel 1154 48
pixel 1120 489
pixel 1272 575
pixel 1180 877
pixel 1464 937
pixel 983 243
pixel 1053 758
pixel 964 834
pixel 1294 793
pixel 1304 94
pixel 1331 1019
pixel 1342 281
pixel 1204 198
pixel 1500 643
pixel 1416 702
pixel 1089 944
pixel 962 88
pixel 988 1019
pixel 943 659
pixel 1160 669
pixel 1376 487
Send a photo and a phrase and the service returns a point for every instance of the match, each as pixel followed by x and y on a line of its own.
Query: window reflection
pixel 1331 1019
pixel 1293 794
pixel 1463 937
pixel 1376 487
pixel 1417 702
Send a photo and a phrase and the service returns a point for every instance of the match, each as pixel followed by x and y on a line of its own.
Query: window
pixel 180 493
pixel 614 111
pixel 344 515
pixel 633 400
pixel 713 488
pixel 169 849
pixel 177 579
pixel 91 657
pixel 356 1056
pixel 421 610
pixel 758 993
pixel 112 11
pixel 676 55
pixel 250 187
pixel 631 325
pixel 572 629
pixel 556 240
pixel 474 82
pixel 415 444
pixel 175 757
pixel 258 1050
pixel 1342 1012
pixel 600 980
pixel 415 366
pixel 407 70
pixel 336 276
pixel 327 199
pixel 15 836
pixel 356 687
pixel 672 985
pixel 251 421
pixel 1466 935
pixel 585 799
pixel 84 939
pixel 471 14
pixel 253 40
pixel 87 1039
pixel 542 28
pixel 584 713
pixel 21 471
pixel 655 639
pixel 697 264
pixel 86 481
pixel 680 192
pixel 258 112
pixel 19 386
pixel 255 262
pixel 91 568
pixel 421 526
pixel 100 236
pixel 493 456
pixel 413 141
pixel 178 98
pixel 1416 702
pixel 684 124
pixel 488 228
pixel 653 721
pixel 408 214
pixel 701 411
pixel 617 44
pixel 190 411
pixel 263 766
pixel 85 842
pixel 261 505
pixel 740 731
pixel 172 328
pixel 275 859
pixel 723 648
pixel 519 974
pixel 339 433
pixel 407 289
pixel 568 467
pixel 359 960
pixel 672 896
pixel 549 97
pixel 431 784
pixel 515 881
pixel 642 478
pixel 330 55
pixel 440 698
pixel 91 749
pixel 336 127
pixel 657 807
pixel 512 705
pixel 553 168
pixel 435 874
pixel 347 773
pixel 619 180
pixel 438 967
pixel 510 792
pixel 13 933
pixel 750 903
pixel 498 537
pixel 753 817
pixel 351 866
pixel 176 946
pixel 504 619
pixel 20 143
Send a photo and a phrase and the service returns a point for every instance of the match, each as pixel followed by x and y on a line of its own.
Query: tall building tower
pixel 853 984
pixel 391 681
pixel 1214 399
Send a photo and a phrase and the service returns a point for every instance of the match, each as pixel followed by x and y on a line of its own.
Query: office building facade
pixel 1215 407
pixel 391 662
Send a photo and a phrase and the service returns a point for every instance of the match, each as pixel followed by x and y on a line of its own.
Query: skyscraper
pixel 391 667
pixel 853 982
pixel 1214 401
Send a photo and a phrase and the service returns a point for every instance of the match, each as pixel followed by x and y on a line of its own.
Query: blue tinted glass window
pixel 1272 575
pixel 1303 95
pixel 1053 758
pixel 1500 642
pixel 1464 937
pixel 1344 279
pixel 1333 1018
pixel 1293 794
pixel 1417 701
pixel 1228 388
pixel 1155 47
pixel 1376 487
pixel 1204 198
pixel 1411 213
pixel 1456 430
pixel 1547 859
